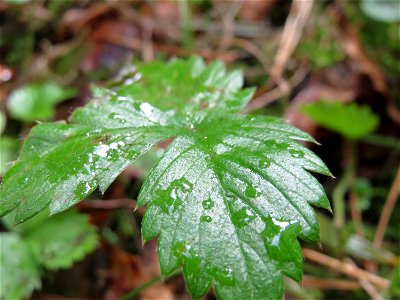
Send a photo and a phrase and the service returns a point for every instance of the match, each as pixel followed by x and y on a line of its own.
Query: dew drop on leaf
pixel 270 143
pixel 101 150
pixel 208 204
pixel 183 249
pixel 264 164
pixel 250 191
pixel 146 108
pixel 296 153
pixel 207 219
pixel 118 117
pixel 84 188
pixel 224 276
pixel 243 217
pixel 282 146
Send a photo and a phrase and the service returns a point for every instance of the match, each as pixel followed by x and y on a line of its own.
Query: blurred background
pixel 330 68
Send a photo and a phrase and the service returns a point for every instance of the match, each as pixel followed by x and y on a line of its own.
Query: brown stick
pixel 345 268
pixel 299 13
pixel 367 286
pixel 108 204
pixel 137 44
pixel 326 284
pixel 275 93
pixel 387 210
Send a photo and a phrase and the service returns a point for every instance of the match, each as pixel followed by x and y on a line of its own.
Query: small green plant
pixel 350 120
pixel 42 243
pixel 227 199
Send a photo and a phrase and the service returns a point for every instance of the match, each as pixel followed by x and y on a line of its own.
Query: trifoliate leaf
pixel 229 196
pixel 19 272
pixel 37 101
pixel 351 120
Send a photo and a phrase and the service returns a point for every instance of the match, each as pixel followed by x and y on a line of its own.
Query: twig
pixel 299 13
pixel 264 99
pixel 136 291
pixel 228 22
pixel 108 204
pixel 331 283
pixel 387 211
pixel 137 44
pixel 276 93
pixel 147 49
pixel 368 287
pixel 345 268
pixel 252 49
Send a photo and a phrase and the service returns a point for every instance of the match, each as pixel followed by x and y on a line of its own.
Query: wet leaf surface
pixel 229 196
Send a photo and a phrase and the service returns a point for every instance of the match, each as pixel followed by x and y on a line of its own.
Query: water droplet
pixel 116 116
pixel 122 98
pixel 264 164
pixel 208 204
pixel 207 219
pixel 230 197
pixel 101 150
pixel 270 143
pixel 283 146
pixel 250 192
pixel 296 153
pixel 224 276
pixel 146 108
pixel 114 145
pixel 84 187
pixel 170 200
pixel 182 249
pixel 243 217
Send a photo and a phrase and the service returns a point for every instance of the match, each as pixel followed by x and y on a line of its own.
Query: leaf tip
pixel 330 210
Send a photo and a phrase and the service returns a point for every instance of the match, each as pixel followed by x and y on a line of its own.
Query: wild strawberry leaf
pixel 19 271
pixel 53 243
pixel 59 241
pixel 229 196
pixel 227 201
pixel 350 120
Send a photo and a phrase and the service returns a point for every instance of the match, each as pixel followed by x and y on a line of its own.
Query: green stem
pixel 380 140
pixel 185 15
pixel 344 184
pixel 136 291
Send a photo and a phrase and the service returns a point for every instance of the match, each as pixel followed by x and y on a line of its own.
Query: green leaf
pixel 8 152
pixel 382 10
pixel 37 101
pixel 19 272
pixel 228 200
pixel 229 196
pixel 61 240
pixel 350 120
